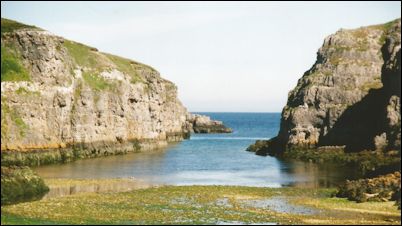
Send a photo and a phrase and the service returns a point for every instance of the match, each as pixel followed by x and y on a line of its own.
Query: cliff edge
pixel 69 100
pixel 349 99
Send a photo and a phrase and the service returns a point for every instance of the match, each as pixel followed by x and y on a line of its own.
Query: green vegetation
pixel 335 59
pixel 83 55
pixel 95 81
pixel 11 25
pixel 136 145
pixel 202 205
pixel 364 161
pixel 128 67
pixel 11 115
pixel 378 189
pixel 23 91
pixel 360 33
pixel 385 29
pixel 339 48
pixel 12 68
pixel 20 184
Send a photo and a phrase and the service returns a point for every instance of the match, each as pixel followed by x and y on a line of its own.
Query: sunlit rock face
pixel 350 97
pixel 56 93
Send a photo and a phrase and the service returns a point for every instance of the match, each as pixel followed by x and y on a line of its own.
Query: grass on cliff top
pixel 201 205
pixel 91 59
pixel 128 67
pixel 83 55
pixel 12 68
pixel 11 25
pixel 385 26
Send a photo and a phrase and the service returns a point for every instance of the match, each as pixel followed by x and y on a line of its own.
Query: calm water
pixel 208 159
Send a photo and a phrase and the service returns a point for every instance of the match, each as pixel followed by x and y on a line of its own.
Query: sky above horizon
pixel 223 56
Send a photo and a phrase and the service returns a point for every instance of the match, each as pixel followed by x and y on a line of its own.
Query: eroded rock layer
pixel 66 100
pixel 349 99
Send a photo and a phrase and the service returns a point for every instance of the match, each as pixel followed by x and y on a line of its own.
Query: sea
pixel 211 159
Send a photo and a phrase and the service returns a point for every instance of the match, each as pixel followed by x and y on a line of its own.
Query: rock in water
pixel 349 98
pixel 204 124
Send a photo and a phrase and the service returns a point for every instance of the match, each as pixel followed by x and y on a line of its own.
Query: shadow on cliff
pixel 361 122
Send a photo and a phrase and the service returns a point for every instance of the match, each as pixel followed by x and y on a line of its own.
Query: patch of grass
pixel 385 28
pixel 95 81
pixel 12 68
pixel 338 48
pixel 196 205
pixel 83 55
pixel 11 25
pixel 9 115
pixel 20 184
pixel 360 33
pixel 128 67
pixel 4 121
pixel 23 91
pixel 335 60
pixel 12 219
pixel 363 45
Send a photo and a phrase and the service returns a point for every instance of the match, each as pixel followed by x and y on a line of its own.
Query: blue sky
pixel 223 56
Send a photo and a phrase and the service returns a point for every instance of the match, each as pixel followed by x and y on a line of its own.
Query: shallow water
pixel 210 159
pixel 279 204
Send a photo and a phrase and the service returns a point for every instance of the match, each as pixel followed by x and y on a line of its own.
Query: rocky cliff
pixel 58 95
pixel 349 99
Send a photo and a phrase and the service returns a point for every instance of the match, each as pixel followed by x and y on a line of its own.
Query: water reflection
pixel 308 174
pixel 179 165
pixel 206 159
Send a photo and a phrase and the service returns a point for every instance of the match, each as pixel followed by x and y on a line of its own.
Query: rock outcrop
pixel 383 188
pixel 204 124
pixel 69 100
pixel 349 99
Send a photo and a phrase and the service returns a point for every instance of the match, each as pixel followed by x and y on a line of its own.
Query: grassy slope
pixel 12 68
pixel 83 56
pixel 11 25
pixel 198 205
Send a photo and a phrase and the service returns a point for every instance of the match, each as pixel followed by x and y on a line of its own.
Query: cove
pixel 210 159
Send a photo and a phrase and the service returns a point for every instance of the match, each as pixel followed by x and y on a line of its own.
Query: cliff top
pixel 11 25
pixel 75 55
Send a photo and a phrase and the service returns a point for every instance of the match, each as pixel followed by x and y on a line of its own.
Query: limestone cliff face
pixel 56 93
pixel 349 98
